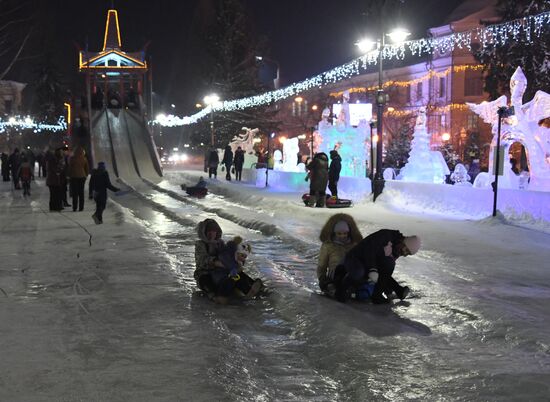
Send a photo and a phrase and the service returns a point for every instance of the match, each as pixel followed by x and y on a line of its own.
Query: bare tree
pixel 14 33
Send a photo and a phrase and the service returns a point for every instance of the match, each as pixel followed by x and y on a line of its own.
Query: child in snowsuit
pixel 99 183
pixel 339 235
pixel 233 258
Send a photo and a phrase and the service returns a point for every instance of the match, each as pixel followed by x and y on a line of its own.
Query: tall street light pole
pixel 381 99
pixel 398 35
pixel 212 100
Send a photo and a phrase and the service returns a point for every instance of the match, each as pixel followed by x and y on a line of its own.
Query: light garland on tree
pixel 26 123
pixel 497 35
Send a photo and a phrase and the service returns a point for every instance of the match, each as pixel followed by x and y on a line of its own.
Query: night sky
pixel 306 37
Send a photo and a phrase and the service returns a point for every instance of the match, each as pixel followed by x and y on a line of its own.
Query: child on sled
pixel 218 269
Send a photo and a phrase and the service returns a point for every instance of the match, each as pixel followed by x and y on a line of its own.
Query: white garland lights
pixel 27 122
pixel 497 35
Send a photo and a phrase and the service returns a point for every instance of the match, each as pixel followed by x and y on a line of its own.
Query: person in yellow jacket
pixel 339 234
pixel 78 172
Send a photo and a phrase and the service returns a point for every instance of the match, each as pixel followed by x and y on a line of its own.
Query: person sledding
pixel 368 267
pixel 198 190
pixel 339 235
pixel 212 276
pixel 233 258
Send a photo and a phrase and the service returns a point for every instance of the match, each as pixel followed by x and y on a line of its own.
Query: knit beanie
pixel 341 226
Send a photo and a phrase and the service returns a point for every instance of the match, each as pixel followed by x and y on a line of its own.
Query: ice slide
pixel 121 139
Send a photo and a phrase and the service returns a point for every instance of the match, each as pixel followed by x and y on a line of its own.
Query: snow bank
pixel 517 206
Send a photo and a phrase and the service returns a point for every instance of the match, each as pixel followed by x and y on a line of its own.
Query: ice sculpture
pixel 525 127
pixel 424 165
pixel 353 144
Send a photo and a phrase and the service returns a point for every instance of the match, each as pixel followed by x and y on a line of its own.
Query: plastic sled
pixel 330 202
pixel 199 192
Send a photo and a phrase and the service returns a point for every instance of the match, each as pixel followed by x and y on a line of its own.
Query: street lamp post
pixel 398 35
pixel 269 137
pixel 371 164
pixel 211 100
pixel 381 99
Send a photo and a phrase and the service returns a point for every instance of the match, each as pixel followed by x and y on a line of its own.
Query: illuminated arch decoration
pixel 112 60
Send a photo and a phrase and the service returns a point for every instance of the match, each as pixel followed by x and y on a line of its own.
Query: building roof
pixel 473 11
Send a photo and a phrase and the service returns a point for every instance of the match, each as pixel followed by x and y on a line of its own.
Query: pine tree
pixel 397 153
pixel 48 92
pixel 450 156
pixel 232 72
pixel 533 57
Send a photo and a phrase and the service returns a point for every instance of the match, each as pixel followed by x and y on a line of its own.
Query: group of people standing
pixel 64 174
pixel 349 266
pixel 230 163
pixel 18 167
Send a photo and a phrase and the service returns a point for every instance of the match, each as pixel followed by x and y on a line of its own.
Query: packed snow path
pixel 122 319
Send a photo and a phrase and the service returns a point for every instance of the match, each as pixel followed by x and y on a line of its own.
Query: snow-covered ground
pixel 120 318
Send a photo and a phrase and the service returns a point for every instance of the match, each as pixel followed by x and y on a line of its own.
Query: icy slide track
pixel 121 139
pixel 293 344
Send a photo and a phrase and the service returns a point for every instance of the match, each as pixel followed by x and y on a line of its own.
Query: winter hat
pixel 211 226
pixel 242 247
pixel 101 165
pixel 412 243
pixel 341 226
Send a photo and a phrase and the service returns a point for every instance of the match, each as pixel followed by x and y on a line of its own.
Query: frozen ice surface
pixel 121 319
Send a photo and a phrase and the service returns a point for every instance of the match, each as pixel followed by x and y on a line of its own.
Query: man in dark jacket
pixel 318 178
pixel 227 161
pixel 334 172
pixel 14 162
pixel 372 260
pixel 213 162
pixel 5 167
pixel 99 183
pixel 238 162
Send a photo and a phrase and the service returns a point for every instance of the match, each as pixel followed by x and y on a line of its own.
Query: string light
pixel 429 75
pixel 432 109
pixel 28 123
pixel 497 35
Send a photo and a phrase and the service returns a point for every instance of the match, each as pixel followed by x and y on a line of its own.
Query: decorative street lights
pixel 211 100
pixel 398 35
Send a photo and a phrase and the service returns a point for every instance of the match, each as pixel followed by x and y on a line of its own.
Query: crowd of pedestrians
pixel 66 174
